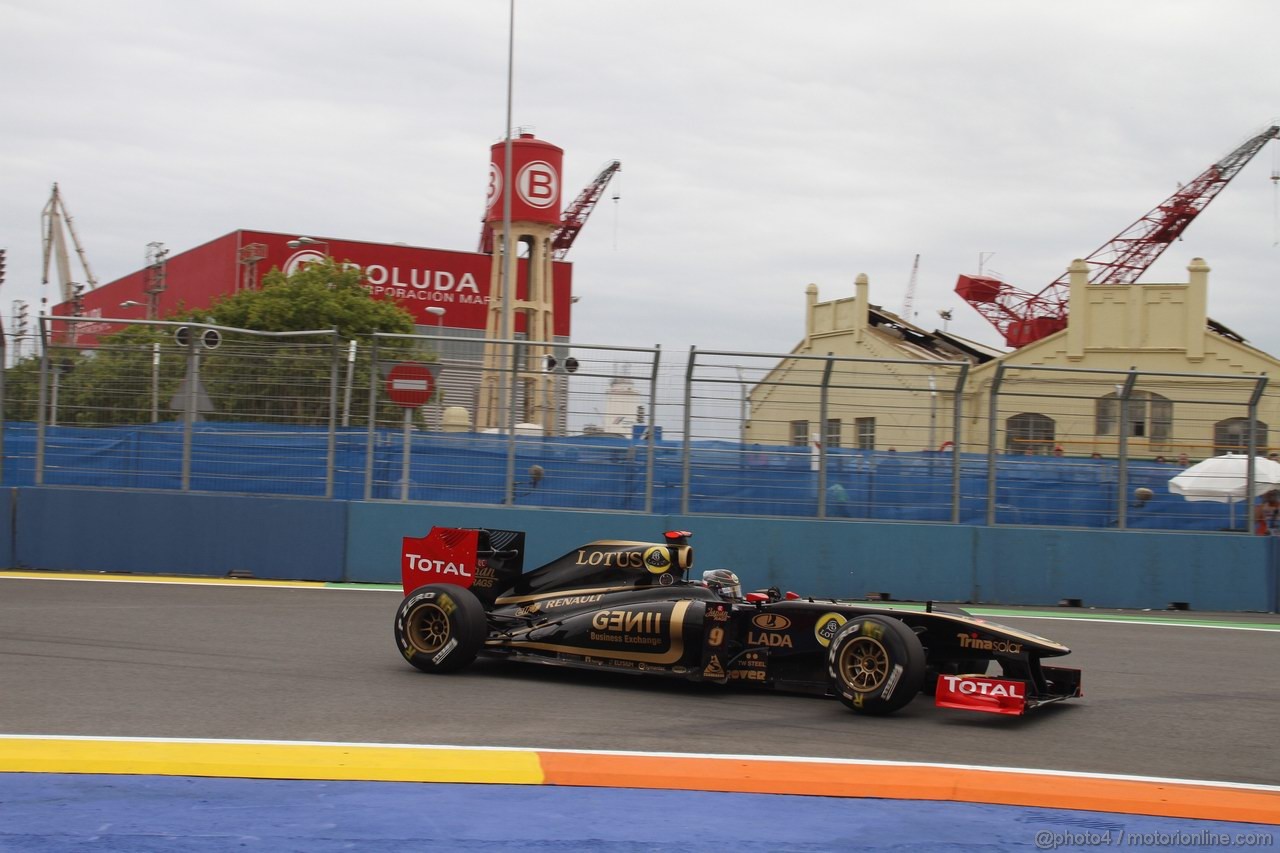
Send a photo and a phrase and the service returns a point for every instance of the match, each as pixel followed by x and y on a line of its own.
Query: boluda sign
pixel 418 278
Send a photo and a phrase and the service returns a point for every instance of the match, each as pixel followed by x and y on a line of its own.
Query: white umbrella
pixel 1224 479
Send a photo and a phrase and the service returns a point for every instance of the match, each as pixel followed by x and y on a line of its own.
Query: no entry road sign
pixel 410 384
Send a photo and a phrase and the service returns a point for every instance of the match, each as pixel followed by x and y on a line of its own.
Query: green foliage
pixel 21 388
pixel 318 296
pixel 248 377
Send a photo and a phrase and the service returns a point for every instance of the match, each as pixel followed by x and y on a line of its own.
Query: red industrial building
pixel 414 277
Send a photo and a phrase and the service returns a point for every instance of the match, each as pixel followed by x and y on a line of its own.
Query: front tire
pixel 877 664
pixel 440 627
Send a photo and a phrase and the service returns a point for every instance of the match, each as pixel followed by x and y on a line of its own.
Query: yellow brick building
pixel 1140 365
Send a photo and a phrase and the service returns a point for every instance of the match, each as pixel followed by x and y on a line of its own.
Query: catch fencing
pixel 442 418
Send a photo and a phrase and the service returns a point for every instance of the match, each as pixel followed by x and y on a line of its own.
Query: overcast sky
pixel 764 146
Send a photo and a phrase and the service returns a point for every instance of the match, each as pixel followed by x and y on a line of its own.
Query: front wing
pixel 1006 695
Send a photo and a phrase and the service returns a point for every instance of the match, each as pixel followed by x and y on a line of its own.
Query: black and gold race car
pixel 629 607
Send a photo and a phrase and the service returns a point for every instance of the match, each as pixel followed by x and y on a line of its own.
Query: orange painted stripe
pixel 967 785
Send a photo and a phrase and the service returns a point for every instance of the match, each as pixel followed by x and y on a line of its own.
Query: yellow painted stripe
pixel 254 760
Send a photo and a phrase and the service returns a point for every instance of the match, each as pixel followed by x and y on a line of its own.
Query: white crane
pixel 55 225
pixel 909 301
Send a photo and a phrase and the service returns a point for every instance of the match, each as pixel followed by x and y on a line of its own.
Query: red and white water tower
pixel 534 183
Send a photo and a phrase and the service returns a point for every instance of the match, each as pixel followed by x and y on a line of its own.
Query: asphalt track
pixel 1192 700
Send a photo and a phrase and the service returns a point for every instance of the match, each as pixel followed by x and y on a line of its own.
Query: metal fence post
pixel 1251 476
pixel 42 402
pixel 824 396
pixel 155 383
pixel 331 453
pixel 369 447
pixel 189 405
pixel 686 463
pixel 651 444
pixel 957 423
pixel 513 384
pixel 351 371
pixel 1122 450
pixel 993 414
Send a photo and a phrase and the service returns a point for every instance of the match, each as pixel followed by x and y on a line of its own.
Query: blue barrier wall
pixel 996 565
pixel 144 532
pixel 295 538
pixel 608 473
pixel 1210 571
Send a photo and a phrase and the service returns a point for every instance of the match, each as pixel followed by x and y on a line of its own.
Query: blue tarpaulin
pixel 604 473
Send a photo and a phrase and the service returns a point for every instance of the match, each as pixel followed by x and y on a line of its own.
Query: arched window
pixel 1150 416
pixel 1232 435
pixel 1028 434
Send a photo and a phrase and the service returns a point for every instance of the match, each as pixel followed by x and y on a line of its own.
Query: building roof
pixel 918 343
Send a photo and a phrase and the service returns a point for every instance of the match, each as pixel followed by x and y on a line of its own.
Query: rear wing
pixel 487 562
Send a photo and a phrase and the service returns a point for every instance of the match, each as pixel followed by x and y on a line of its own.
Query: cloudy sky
pixel 764 146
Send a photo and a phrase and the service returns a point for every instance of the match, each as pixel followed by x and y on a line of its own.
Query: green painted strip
pixel 1107 616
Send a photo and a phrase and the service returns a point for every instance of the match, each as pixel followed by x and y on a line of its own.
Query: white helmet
pixel 724 582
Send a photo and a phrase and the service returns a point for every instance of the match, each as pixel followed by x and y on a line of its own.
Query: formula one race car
pixel 628 607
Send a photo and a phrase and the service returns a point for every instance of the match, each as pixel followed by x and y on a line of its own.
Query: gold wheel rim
pixel 428 628
pixel 864 664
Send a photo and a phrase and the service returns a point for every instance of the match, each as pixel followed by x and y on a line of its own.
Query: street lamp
pixel 131 303
pixel 299 242
pixel 437 311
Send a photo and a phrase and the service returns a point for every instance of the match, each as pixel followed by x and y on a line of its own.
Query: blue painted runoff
pixel 45 813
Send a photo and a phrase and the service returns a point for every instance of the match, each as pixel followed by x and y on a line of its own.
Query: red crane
pixel 1023 317
pixel 574 216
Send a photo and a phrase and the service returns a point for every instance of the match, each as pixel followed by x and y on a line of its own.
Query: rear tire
pixel 440 627
pixel 877 664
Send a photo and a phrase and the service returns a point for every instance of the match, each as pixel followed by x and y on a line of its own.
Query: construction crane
pixel 909 301
pixel 1023 317
pixel 574 216
pixel 55 225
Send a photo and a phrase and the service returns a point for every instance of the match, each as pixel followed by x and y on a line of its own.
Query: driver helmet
pixel 724 582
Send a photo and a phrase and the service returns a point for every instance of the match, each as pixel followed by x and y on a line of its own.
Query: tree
pixel 253 378
pixel 317 296
pixel 248 377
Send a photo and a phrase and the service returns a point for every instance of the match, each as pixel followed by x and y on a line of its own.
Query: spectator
pixel 1160 460
pixel 838 501
pixel 1095 455
pixel 1266 514
pixel 1057 450
pixel 1183 460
